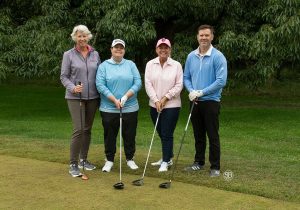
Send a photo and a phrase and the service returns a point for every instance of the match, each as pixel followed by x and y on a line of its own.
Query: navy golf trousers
pixel 165 129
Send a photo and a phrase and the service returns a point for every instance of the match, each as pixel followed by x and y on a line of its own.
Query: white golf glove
pixel 123 100
pixel 195 94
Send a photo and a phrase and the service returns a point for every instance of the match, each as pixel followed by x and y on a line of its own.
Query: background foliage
pixel 259 38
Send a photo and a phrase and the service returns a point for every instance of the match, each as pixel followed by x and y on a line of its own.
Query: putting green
pixel 32 184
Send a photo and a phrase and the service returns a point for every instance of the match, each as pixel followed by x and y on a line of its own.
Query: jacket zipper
pixel 87 76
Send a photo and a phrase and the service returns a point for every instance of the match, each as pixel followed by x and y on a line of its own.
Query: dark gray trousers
pixel 80 141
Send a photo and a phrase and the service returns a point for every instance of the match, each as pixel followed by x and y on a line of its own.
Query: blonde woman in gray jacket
pixel 78 73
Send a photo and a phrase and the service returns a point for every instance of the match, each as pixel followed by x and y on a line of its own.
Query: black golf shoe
pixel 194 167
pixel 74 170
pixel 87 165
pixel 214 173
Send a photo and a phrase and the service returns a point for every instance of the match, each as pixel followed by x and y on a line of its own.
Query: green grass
pixel 44 185
pixel 260 138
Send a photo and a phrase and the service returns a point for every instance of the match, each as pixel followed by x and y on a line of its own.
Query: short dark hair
pixel 206 27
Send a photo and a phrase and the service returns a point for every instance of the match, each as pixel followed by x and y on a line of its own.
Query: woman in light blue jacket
pixel 118 81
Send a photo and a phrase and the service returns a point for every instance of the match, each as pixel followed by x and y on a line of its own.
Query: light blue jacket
pixel 116 79
pixel 207 73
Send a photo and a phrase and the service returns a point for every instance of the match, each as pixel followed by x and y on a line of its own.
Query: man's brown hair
pixel 206 27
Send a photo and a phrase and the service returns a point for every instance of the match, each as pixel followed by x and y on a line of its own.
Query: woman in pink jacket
pixel 163 83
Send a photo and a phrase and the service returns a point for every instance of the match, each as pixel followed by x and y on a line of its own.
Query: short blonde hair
pixel 82 29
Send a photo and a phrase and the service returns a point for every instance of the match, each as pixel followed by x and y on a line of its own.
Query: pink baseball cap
pixel 163 41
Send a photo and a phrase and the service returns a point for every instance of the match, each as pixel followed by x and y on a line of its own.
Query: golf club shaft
pixel 182 139
pixel 151 144
pixel 120 144
pixel 81 123
pixel 80 99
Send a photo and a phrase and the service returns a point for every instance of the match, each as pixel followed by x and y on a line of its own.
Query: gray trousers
pixel 81 139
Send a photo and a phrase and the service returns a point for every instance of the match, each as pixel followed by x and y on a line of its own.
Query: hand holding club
pixel 123 100
pixel 78 88
pixel 195 94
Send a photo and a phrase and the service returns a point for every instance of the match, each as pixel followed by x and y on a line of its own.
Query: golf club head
pixel 119 186
pixel 138 182
pixel 84 177
pixel 165 185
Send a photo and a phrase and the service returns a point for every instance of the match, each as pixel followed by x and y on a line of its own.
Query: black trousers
pixel 205 121
pixel 111 125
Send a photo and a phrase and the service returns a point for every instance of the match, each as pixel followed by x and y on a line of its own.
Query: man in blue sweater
pixel 205 75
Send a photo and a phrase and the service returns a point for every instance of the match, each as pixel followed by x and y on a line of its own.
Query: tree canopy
pixel 257 37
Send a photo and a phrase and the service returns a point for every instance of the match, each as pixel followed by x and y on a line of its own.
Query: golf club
pixel 83 176
pixel 167 185
pixel 120 185
pixel 140 182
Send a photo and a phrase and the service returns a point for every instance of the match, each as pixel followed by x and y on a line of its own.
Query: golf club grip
pixel 79 83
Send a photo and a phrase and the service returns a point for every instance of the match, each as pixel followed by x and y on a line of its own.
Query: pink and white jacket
pixel 164 81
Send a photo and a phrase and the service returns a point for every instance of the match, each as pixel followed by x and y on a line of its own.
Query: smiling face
pixel 205 37
pixel 163 51
pixel 118 52
pixel 81 39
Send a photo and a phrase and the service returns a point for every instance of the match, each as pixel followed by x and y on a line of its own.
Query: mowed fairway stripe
pixel 32 184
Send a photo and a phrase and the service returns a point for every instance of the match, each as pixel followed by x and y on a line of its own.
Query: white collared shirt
pixel 208 52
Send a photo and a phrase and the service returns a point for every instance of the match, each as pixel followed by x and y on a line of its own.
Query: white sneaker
pixel 163 167
pixel 158 163
pixel 132 165
pixel 170 162
pixel 107 167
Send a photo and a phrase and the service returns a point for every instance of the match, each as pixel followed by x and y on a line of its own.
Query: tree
pixel 257 37
pixel 262 40
pixel 33 37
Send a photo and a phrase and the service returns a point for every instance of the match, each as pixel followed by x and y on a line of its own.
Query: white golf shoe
pixel 107 167
pixel 132 165
pixel 163 167
pixel 158 163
